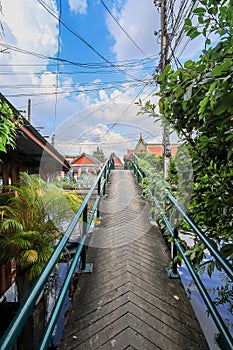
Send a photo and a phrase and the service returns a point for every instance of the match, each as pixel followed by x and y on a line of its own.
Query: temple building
pixel 149 148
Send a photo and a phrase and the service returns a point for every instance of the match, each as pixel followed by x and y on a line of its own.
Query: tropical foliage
pixel 197 100
pixel 7 127
pixel 30 223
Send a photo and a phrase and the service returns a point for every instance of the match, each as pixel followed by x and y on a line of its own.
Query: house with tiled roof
pixel 32 153
pixel 35 155
pixel 85 163
pixel 149 148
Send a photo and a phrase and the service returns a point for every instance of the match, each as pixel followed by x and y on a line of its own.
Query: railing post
pixel 99 188
pixel 174 252
pixel 112 165
pixel 152 216
pixel 138 176
pixel 83 254
pixel 104 188
pixel 134 169
pixel 107 176
pixel 172 271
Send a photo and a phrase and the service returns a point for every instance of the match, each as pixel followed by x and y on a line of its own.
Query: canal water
pixel 213 286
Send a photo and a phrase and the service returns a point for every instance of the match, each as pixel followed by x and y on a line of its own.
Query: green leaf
pixel 193 255
pixel 222 31
pixel 213 10
pixel 200 19
pixel 188 21
pixel 2 148
pixel 167 69
pixel 225 104
pixel 184 105
pixel 220 69
pixel 199 10
pixel 227 250
pixel 189 64
pixel 201 270
pixel 210 268
pixel 193 33
pixel 203 104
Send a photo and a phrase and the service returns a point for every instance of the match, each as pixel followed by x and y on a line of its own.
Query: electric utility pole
pixel 163 62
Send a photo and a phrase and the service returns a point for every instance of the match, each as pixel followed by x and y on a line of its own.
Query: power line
pixel 185 11
pixel 100 84
pixel 120 63
pixel 102 2
pixel 83 68
pixel 71 30
pixel 23 51
pixel 101 108
pixel 57 71
pixel 123 113
pixel 81 90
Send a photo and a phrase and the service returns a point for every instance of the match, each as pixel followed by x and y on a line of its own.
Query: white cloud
pixel 27 26
pixel 139 21
pixel 32 27
pixel 78 6
pixel 112 126
pixel 107 119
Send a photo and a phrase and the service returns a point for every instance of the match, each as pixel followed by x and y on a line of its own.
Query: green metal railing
pixel 136 170
pixel 178 247
pixel 10 336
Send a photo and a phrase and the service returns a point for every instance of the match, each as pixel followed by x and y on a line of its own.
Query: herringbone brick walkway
pixel 128 301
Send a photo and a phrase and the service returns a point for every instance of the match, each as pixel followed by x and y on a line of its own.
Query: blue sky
pixel 84 76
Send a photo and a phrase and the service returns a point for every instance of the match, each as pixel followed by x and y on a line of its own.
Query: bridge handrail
pixel 215 252
pixel 136 168
pixel 14 329
pixel 227 338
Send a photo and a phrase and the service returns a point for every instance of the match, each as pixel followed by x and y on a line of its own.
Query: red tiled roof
pixel 174 149
pixel 117 162
pixel 131 151
pixel 157 150
pixel 150 148
pixel 85 159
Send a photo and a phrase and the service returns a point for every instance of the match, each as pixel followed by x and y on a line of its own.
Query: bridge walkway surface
pixel 128 301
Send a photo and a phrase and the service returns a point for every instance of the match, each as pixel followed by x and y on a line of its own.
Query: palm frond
pixel 45 254
pixel 30 221
pixel 34 271
pixel 10 225
pixel 28 258
pixel 19 244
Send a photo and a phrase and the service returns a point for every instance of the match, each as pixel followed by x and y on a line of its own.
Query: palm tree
pixel 29 227
pixel 27 234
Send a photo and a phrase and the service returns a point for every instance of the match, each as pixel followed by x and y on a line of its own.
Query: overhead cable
pixel 102 2
pixel 71 30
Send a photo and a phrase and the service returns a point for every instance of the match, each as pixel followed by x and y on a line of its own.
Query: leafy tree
pixel 99 154
pixel 197 101
pixel 155 162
